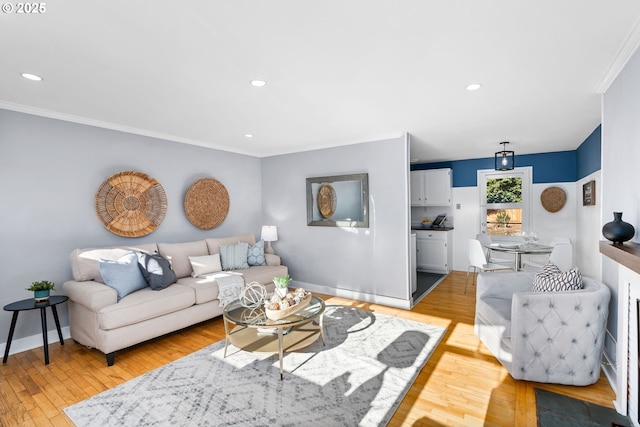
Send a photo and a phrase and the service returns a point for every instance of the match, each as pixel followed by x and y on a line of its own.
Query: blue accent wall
pixel 560 166
pixel 589 154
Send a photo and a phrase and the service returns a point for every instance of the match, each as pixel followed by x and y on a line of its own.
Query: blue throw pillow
pixel 234 257
pixel 156 270
pixel 123 275
pixel 255 254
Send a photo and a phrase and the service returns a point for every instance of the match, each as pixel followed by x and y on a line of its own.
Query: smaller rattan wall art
pixel 131 204
pixel 553 199
pixel 206 203
pixel 327 201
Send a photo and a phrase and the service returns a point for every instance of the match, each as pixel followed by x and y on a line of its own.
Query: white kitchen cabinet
pixel 434 251
pixel 431 187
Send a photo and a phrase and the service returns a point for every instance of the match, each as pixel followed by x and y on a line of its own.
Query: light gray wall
pixel 620 173
pixel 50 171
pixel 370 260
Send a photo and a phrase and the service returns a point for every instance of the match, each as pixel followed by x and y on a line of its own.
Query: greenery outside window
pixel 504 202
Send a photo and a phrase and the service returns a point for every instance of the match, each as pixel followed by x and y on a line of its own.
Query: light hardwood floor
pixel 461 385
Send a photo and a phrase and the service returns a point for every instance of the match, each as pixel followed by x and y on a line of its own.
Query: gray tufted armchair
pixel 548 337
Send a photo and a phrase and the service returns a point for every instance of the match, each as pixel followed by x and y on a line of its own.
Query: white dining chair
pixel 561 255
pixel 485 241
pixel 478 261
pixel 558 240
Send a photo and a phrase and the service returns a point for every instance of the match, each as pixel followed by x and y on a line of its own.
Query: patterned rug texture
pixel 359 378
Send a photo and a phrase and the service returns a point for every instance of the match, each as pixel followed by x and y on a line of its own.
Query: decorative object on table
pixel 269 234
pixel 324 192
pixel 505 159
pixel 589 193
pixel 41 290
pixel 553 199
pixel 617 230
pixel 282 284
pixel 327 201
pixel 253 295
pixel 206 203
pixel 281 307
pixel 131 204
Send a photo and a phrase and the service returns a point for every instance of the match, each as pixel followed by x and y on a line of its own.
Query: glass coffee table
pixel 254 332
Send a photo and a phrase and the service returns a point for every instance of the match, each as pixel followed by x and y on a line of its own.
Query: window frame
pixel 525 174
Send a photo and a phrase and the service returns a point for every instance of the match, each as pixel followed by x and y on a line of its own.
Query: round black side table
pixel 31 304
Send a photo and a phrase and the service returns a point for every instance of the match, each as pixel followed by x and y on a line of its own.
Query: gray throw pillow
pixel 156 270
pixel 234 257
pixel 123 274
pixel 551 279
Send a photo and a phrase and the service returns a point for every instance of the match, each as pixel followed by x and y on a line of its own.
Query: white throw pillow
pixel 205 264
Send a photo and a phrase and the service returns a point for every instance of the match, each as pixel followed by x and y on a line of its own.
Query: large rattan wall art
pixel 206 203
pixel 131 204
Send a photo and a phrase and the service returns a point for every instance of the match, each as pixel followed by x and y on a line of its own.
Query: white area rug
pixel 359 378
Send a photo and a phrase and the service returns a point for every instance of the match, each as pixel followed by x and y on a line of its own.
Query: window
pixel 504 206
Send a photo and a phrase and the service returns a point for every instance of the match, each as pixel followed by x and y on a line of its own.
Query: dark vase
pixel 617 230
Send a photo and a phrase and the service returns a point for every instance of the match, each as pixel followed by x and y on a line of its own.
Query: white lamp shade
pixel 269 233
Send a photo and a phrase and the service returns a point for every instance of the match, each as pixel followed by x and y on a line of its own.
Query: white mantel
pixel 627 394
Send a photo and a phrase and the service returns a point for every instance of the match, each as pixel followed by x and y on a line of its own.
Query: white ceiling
pixel 338 72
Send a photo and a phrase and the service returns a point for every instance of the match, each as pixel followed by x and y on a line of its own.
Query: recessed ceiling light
pixel 473 86
pixel 248 135
pixel 258 83
pixel 31 77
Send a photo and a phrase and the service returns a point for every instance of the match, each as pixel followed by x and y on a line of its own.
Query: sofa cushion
pixel 123 274
pixel 85 263
pixel 214 244
pixel 255 254
pixel 205 264
pixel 205 288
pixel 156 270
pixel 145 304
pixel 551 279
pixel 178 255
pixel 234 257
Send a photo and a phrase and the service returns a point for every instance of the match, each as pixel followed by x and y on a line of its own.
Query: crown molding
pixel 112 126
pixel 625 52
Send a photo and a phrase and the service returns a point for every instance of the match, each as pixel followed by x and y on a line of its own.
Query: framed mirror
pixel 338 201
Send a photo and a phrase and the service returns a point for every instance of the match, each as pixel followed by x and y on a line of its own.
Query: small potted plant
pixel 41 289
pixel 282 284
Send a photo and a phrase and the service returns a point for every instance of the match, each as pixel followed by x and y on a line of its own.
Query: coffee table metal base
pixel 249 339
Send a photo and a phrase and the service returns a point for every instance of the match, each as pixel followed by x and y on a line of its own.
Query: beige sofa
pixel 98 320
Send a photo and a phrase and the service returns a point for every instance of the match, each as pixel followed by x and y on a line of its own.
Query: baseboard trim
pixel 34 341
pixel 355 295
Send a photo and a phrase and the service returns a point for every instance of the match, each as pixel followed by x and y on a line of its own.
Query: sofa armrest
pixel 93 295
pixel 503 284
pixel 558 336
pixel 272 259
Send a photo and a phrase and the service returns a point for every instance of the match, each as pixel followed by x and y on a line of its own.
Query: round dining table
pixel 519 249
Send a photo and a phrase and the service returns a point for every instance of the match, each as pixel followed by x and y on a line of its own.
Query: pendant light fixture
pixel 504 160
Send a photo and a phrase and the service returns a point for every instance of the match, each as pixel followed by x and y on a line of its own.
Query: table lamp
pixel 269 234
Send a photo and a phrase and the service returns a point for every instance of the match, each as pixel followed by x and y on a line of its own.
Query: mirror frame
pixel 362 178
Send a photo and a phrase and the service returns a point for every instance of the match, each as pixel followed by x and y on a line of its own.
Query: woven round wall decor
pixel 131 204
pixel 206 203
pixel 553 199
pixel 327 201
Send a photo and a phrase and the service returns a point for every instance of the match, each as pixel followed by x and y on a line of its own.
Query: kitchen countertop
pixel 414 227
